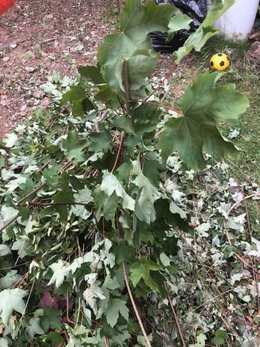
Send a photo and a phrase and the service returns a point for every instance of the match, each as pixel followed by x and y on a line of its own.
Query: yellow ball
pixel 219 62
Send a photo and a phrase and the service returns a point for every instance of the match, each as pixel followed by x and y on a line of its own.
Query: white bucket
pixel 237 22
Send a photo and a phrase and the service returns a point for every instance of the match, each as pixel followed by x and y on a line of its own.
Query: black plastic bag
pixel 195 9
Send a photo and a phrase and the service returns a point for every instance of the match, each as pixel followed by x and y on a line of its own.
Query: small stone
pixel 29 69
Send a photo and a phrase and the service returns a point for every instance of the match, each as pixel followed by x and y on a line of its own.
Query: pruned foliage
pixel 88 185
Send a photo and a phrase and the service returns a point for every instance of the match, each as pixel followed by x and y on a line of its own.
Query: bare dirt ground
pixel 39 37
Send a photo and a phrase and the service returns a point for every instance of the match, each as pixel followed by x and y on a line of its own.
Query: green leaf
pixel 124 251
pixel 111 283
pixel 151 169
pixel 147 195
pixel 9 280
pixel 179 21
pixel 83 195
pixel 205 31
pixel 2 162
pixel 145 119
pixel 51 319
pixel 80 103
pixel 11 300
pixel 51 176
pixel 220 337
pixel 106 205
pixel 64 196
pixel 10 140
pixel 108 96
pixel 124 123
pixel 141 270
pixel 7 213
pixel 200 341
pixel 4 250
pixel 115 308
pixel 75 93
pixel 33 328
pixel 100 142
pixel 131 41
pixel 139 67
pixel 60 271
pixel 195 41
pixel 110 184
pixel 204 105
pixel 55 338
pixel 92 74
pixel 73 146
pixel 4 342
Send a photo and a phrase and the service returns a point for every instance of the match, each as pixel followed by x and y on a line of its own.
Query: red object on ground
pixel 5 5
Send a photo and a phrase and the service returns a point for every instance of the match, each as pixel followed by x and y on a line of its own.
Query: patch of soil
pixel 39 37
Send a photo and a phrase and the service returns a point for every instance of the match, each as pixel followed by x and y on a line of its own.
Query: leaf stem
pixel 126 85
pixel 169 73
pixel 58 203
pixel 107 343
pixel 6 225
pixel 159 105
pixel 30 194
pixel 118 151
pixel 128 110
pixel 175 316
pixel 147 342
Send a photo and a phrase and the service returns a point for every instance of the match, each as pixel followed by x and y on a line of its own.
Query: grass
pixel 244 75
pixel 245 166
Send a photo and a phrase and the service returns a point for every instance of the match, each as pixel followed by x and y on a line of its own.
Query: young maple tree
pixel 91 214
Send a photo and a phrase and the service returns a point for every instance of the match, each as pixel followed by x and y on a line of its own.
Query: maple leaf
pixel 204 105
pixel 141 270
pixel 132 44
pixel 144 208
pixel 33 328
pixel 80 103
pixel 60 271
pixel 11 300
pixel 9 279
pixel 110 184
pixel 115 307
pixel 73 146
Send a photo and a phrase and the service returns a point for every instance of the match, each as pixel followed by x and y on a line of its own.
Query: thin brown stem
pixel 169 73
pixel 58 203
pixel 107 343
pixel 68 309
pixel 139 320
pixel 126 85
pixel 7 224
pixel 30 194
pixel 175 316
pixel 128 110
pixel 179 112
pixel 243 199
pixel 118 152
